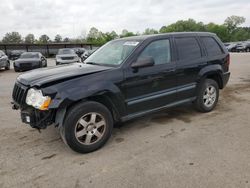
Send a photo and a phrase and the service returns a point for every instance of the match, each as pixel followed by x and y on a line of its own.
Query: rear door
pixel 151 87
pixel 191 59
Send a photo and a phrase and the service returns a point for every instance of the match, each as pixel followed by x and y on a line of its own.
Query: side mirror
pixel 143 62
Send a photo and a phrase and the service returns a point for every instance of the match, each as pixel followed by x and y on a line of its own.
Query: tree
pixel 13 37
pixel 126 33
pixel 93 34
pixel 66 39
pixel 163 29
pixel 110 36
pixel 58 38
pixel 44 39
pixel 233 22
pixel 183 26
pixel 220 30
pixel 30 39
pixel 149 31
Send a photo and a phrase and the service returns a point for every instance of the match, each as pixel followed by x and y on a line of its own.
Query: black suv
pixel 125 79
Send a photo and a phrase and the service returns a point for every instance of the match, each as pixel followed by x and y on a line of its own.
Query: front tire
pixel 208 95
pixel 87 127
pixel 7 67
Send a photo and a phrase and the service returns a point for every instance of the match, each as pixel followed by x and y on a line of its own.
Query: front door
pixel 152 87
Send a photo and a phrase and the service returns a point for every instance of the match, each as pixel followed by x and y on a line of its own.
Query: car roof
pixel 144 37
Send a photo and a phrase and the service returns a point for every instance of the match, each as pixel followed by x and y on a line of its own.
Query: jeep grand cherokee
pixel 124 79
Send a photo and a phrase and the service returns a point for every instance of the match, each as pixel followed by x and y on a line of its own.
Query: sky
pixel 74 18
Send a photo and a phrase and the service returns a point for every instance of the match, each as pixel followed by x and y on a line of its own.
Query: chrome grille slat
pixel 19 93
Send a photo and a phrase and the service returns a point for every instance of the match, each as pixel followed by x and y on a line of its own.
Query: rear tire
pixel 7 67
pixel 16 70
pixel 87 127
pixel 208 95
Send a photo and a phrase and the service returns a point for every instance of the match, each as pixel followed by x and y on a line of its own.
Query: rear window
pixel 212 46
pixel 188 48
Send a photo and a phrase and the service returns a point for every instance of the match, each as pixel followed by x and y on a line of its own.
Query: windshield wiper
pixel 92 63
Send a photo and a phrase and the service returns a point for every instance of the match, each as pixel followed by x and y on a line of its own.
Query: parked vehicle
pixel 231 47
pixel 86 54
pixel 79 51
pixel 15 54
pixel 243 47
pixel 4 61
pixel 66 55
pixel 124 79
pixel 29 61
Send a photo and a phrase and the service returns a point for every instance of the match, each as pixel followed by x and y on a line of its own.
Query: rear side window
pixel 212 46
pixel 159 50
pixel 188 48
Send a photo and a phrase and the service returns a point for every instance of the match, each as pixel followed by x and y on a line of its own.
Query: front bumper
pixel 26 67
pixel 37 118
pixel 60 62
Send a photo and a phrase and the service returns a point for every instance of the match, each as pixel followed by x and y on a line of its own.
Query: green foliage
pixel 97 37
pixel 58 38
pixel 66 39
pixel 149 31
pixel 233 22
pixel 29 39
pixel 44 39
pixel 13 37
pixel 183 26
pixel 220 30
pixel 229 31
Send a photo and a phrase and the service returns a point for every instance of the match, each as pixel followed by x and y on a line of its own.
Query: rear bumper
pixel 225 78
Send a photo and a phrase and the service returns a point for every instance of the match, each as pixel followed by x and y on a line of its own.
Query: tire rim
pixel 209 96
pixel 90 128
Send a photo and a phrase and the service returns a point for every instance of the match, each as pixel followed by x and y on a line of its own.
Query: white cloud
pixel 74 17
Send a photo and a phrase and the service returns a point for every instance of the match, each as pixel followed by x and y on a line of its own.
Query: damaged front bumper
pixel 36 118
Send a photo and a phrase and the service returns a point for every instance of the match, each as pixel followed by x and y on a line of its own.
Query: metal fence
pixel 46 49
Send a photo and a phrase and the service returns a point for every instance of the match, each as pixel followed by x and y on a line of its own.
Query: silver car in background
pixel 66 56
pixel 4 61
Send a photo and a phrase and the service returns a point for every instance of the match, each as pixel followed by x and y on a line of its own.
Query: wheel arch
pixel 104 98
pixel 213 72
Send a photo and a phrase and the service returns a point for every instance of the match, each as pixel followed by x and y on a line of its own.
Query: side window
pixel 159 50
pixel 188 48
pixel 212 46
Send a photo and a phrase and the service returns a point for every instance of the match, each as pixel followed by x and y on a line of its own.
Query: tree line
pixel 229 31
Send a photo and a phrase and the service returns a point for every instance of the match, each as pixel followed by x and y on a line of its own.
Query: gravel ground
pixel 175 148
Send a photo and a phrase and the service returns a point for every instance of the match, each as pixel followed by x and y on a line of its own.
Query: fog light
pixel 27 119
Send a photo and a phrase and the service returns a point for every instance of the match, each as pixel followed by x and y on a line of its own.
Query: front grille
pixel 67 58
pixel 19 93
pixel 25 65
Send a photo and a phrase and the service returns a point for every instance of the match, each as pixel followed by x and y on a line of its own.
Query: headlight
pixel 36 99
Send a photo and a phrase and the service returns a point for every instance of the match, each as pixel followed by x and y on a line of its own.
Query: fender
pixel 68 96
pixel 210 70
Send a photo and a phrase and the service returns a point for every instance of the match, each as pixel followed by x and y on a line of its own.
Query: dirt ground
pixel 175 148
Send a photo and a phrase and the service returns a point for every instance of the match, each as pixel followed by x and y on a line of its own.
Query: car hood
pixel 48 75
pixel 29 60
